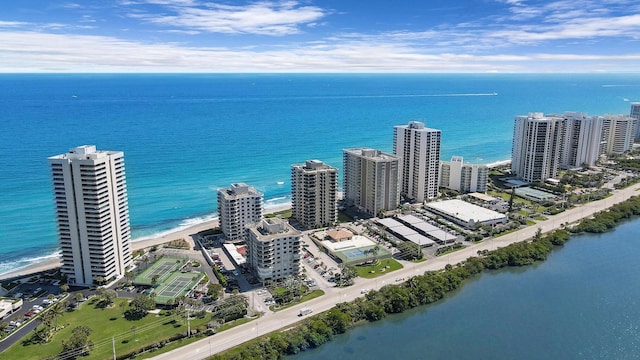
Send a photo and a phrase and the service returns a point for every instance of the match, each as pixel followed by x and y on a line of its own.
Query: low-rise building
pixel 8 306
pixel 466 214
pixel 349 248
pixel 456 175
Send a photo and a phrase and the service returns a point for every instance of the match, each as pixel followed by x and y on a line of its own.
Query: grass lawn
pixel 343 217
pixel 306 297
pixel 379 268
pixel 104 323
pixel 451 250
pixel 284 214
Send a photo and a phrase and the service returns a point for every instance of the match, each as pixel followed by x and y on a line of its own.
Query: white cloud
pixel 11 24
pixel 37 52
pixel 264 18
pixel 584 28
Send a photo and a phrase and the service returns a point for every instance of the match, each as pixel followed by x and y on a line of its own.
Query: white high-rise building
pixel 371 180
pixel 581 142
pixel 273 249
pixel 635 113
pixel 537 145
pixel 618 133
pixel 314 187
pixel 456 175
pixel 418 148
pixel 238 205
pixel 93 215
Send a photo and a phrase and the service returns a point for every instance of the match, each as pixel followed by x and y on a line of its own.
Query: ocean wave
pixel 10 266
pixel 269 204
pixel 184 224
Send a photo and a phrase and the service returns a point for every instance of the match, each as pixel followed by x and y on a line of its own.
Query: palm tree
pixel 78 296
pixel 64 288
pixel 56 311
pixel 45 318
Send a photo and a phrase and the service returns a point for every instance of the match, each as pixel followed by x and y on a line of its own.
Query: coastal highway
pixel 270 322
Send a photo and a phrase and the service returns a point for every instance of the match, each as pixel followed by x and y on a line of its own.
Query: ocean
pixel 186 135
pixel 582 303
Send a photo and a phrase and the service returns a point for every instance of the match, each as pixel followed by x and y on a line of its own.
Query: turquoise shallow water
pixel 184 136
pixel 582 303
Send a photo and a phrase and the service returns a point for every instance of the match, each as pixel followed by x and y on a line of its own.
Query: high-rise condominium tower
pixel 313 194
pixel 238 206
pixel 273 249
pixel 93 215
pixel 581 143
pixel 618 133
pixel 371 180
pixel 418 148
pixel 537 145
pixel 635 113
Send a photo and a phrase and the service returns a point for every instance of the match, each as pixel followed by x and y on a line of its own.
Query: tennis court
pixel 178 284
pixel 358 255
pixel 163 267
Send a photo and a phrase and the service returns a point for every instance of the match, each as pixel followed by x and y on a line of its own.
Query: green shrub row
pixel 607 219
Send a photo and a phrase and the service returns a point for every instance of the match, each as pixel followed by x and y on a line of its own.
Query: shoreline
pixel 146 242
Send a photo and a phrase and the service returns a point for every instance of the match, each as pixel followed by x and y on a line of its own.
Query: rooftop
pixel 465 211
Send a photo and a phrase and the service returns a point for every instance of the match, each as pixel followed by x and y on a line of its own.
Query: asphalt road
pixel 283 319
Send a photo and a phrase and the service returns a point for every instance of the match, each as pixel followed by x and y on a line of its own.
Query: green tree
pixel 214 290
pixel 338 321
pixel 107 296
pixel 139 307
pixel 347 274
pixel 57 310
pixel 64 288
pixel 513 195
pixel 78 297
pixel 123 306
pixel 129 275
pixel 78 343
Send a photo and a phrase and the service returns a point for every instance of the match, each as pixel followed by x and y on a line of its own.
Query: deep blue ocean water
pixel 582 303
pixel 184 136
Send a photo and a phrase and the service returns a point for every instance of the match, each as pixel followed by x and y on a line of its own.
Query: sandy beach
pixel 183 233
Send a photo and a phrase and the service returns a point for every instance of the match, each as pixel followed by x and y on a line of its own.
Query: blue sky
pixel 478 36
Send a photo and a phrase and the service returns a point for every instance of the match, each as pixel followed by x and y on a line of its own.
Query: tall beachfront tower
pixel 418 148
pixel 635 113
pixel 238 205
pixel 273 249
pixel 537 145
pixel 314 187
pixel 582 140
pixel 618 133
pixel 371 180
pixel 93 214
